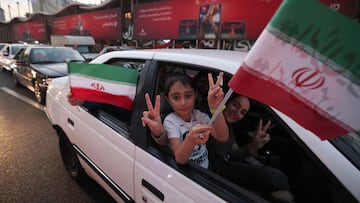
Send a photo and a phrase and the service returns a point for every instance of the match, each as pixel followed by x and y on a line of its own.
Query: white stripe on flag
pixel 104 86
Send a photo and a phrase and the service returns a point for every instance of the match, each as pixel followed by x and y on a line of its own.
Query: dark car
pixel 37 65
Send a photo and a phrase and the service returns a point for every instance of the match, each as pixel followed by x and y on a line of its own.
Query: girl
pixel 187 129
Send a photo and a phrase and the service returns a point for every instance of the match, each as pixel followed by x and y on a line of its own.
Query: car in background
pixel 108 49
pixel 2 45
pixel 115 150
pixel 8 51
pixel 38 64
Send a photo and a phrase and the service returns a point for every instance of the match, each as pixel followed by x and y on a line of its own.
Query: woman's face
pixel 182 99
pixel 237 109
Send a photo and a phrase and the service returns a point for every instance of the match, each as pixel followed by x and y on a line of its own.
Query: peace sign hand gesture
pixel 261 136
pixel 215 94
pixel 151 118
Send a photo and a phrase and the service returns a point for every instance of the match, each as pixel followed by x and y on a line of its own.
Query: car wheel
pixel 39 93
pixel 70 160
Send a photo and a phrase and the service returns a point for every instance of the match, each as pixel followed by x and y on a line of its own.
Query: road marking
pixel 23 98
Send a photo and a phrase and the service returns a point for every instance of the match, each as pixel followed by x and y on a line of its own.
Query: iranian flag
pixel 103 83
pixel 306 63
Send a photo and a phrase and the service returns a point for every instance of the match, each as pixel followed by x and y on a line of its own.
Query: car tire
pixel 40 93
pixel 70 160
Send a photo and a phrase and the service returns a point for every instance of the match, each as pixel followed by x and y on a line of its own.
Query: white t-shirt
pixel 177 128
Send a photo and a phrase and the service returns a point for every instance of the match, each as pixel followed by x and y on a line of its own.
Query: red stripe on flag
pixel 97 96
pixel 268 92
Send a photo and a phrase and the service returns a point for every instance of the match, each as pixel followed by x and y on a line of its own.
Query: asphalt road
pixel 31 168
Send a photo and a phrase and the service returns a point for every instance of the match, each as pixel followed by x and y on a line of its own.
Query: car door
pixel 105 143
pixel 22 72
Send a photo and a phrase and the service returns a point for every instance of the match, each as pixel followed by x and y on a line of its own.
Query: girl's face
pixel 236 109
pixel 182 99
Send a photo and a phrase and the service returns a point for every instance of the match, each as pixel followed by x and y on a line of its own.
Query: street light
pixel 29 6
pixel 18 8
pixel 9 12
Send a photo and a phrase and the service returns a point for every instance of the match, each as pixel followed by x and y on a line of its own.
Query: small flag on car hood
pixel 103 83
pixel 306 63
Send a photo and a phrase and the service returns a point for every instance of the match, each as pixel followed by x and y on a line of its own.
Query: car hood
pixel 51 70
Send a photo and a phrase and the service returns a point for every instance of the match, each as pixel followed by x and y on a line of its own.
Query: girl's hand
pixel 73 101
pixel 199 134
pixel 215 94
pixel 151 118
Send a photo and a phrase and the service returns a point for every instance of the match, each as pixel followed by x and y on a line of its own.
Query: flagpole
pixel 218 110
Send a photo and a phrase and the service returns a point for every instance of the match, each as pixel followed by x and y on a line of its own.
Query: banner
pixel 103 83
pixel 308 67
pixel 30 31
pixel 101 25
pixel 210 20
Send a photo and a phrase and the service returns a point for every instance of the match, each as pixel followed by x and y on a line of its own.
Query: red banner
pixel 216 19
pixel 30 31
pixel 101 25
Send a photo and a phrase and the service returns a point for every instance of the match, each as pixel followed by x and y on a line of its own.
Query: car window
pixel 2 46
pixel 16 48
pixel 114 116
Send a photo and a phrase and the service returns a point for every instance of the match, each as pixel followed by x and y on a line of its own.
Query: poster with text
pixel 101 25
pixel 30 31
pixel 166 19
pixel 233 30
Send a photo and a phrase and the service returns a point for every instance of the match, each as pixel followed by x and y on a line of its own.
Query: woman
pixel 238 163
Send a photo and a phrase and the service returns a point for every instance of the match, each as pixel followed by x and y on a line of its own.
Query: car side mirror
pixel 5 53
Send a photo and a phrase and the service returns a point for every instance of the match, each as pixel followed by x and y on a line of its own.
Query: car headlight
pixel 48 80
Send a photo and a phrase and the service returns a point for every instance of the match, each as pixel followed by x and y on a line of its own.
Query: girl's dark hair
pixel 178 77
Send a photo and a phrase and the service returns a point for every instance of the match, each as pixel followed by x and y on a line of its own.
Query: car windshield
pixel 55 55
pixel 2 46
pixel 349 145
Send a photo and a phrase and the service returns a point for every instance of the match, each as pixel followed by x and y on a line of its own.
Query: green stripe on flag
pixel 327 35
pixel 103 72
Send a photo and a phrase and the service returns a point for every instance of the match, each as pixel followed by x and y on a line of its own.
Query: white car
pixel 112 147
pixel 7 53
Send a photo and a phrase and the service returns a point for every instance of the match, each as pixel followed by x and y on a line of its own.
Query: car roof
pixel 228 61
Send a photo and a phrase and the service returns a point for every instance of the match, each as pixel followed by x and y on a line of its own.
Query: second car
pixel 37 65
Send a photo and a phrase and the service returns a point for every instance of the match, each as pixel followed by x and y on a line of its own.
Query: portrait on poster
pixel 209 21
pixel 233 30
pixel 187 29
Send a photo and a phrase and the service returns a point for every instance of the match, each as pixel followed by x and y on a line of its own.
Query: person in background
pixel 239 163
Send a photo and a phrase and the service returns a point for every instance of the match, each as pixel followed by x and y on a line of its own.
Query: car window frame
pixel 203 177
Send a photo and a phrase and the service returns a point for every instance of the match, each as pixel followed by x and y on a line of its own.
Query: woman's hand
pixel 215 94
pixel 261 137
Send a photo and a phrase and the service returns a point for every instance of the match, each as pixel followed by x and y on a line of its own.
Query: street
pixel 31 168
